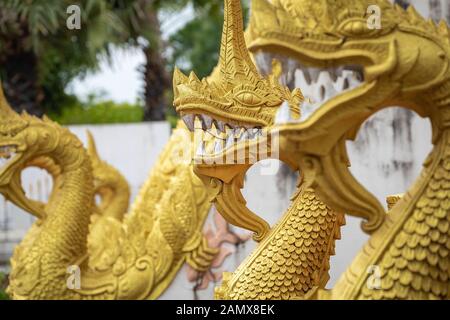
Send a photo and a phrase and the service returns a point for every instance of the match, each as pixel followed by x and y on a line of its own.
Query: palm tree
pixel 19 62
pixel 142 21
pixel 39 55
pixel 140 18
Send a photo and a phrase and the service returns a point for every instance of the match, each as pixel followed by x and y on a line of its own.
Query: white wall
pixel 131 148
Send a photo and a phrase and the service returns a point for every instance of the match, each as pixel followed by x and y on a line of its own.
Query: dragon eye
pixel 356 27
pixel 248 99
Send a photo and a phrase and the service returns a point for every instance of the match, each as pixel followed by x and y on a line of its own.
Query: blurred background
pixel 113 76
pixel 116 67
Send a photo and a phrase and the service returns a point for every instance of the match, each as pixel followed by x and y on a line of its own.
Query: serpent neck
pixel 294 258
pixel 62 239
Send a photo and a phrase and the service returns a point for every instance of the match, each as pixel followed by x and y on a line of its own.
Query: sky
pixel 120 80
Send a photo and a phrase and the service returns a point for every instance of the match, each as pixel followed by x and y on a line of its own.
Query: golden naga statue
pixel 238 106
pixel 403 63
pixel 134 259
pixel 109 185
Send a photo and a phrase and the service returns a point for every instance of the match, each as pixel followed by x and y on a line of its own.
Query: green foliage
pixel 39 26
pixel 173 120
pixel 196 46
pixel 3 281
pixel 103 112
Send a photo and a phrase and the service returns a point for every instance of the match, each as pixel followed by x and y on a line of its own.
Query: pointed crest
pixel 414 16
pixel 443 30
pixel 178 78
pixel 235 62
pixel 92 148
pixel 432 25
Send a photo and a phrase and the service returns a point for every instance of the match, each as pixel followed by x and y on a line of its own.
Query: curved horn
pixel 92 148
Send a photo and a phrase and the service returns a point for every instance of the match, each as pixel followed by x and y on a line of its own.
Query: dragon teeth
pixel 3 161
pixel 213 130
pixel 254 133
pixel 324 76
pixel 239 132
pixel 220 135
pixel 218 146
pixel 189 121
pixel 201 148
pixel 244 136
pixel 314 72
pixel 207 122
pixel 320 85
pixel 283 114
pixel 230 141
pixel 7 152
pixel 220 126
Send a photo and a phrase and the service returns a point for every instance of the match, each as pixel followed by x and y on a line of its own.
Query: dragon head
pixel 23 139
pixel 390 53
pixel 396 59
pixel 233 108
pixel 236 95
